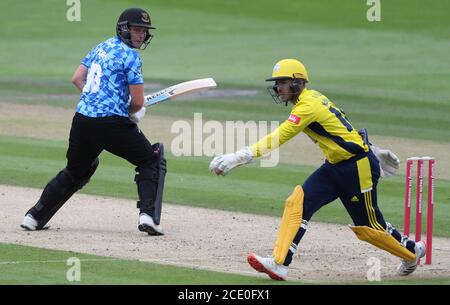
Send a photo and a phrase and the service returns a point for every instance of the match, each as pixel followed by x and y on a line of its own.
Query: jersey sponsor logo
pixel 101 53
pixel 294 119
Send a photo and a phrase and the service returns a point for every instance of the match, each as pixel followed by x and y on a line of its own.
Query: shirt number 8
pixel 93 79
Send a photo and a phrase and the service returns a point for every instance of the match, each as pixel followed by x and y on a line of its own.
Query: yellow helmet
pixel 288 68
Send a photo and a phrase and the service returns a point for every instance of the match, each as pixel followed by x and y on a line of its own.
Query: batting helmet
pixel 288 68
pixel 133 17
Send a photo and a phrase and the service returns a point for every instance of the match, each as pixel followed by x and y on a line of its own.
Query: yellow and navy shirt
pixel 323 122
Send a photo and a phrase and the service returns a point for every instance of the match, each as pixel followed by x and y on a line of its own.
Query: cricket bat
pixel 179 89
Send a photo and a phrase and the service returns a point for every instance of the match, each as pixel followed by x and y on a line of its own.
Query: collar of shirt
pixel 302 95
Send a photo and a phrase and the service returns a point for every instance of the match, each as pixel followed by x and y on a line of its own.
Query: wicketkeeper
pixel 351 172
pixel 111 105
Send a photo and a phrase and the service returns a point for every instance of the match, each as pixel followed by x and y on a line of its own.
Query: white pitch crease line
pixel 56 261
pixel 179 263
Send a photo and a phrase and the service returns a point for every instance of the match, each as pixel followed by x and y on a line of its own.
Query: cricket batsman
pixel 111 105
pixel 351 172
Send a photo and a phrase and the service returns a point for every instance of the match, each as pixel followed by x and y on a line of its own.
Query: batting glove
pixel 221 165
pixel 137 116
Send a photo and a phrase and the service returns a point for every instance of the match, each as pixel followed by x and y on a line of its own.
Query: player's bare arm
pixel 136 112
pixel 79 77
pixel 137 97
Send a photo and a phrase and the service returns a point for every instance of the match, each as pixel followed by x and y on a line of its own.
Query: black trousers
pixel 88 138
pixel 117 135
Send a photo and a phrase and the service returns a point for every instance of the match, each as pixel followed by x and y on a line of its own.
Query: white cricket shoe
pixel 146 224
pixel 268 266
pixel 29 223
pixel 408 267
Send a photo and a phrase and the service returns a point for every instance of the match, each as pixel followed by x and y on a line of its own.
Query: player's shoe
pixel 408 267
pixel 31 224
pixel 146 224
pixel 268 266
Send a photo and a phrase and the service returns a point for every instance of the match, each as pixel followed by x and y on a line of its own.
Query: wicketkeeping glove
pixel 221 165
pixel 389 162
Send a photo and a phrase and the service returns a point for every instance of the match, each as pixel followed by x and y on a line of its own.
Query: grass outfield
pixel 389 76
pixel 251 189
pixel 29 265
